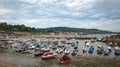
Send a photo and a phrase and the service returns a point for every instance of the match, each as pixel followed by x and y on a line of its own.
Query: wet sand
pixel 6 64
pixel 27 60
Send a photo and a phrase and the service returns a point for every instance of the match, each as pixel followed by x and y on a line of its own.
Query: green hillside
pixel 7 28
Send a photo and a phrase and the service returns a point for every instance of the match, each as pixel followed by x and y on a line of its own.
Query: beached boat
pixel 48 55
pixel 45 48
pixel 106 52
pixel 92 40
pixel 100 51
pixel 109 48
pixel 84 50
pixel 91 49
pixel 64 59
pixel 39 53
pixel 59 50
pixel 74 53
pixel 66 52
pixel 117 52
pixel 87 44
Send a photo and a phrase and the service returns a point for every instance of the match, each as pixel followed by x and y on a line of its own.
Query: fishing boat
pixel 48 55
pixel 64 59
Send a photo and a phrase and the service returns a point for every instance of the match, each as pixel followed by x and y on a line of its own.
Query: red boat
pixel 48 55
pixel 64 59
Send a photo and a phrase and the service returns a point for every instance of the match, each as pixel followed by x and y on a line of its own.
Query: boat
pixel 109 48
pixel 91 49
pixel 64 59
pixel 92 40
pixel 60 46
pixel 87 44
pixel 39 53
pixel 66 52
pixel 45 49
pixel 100 51
pixel 32 47
pixel 99 46
pixel 74 53
pixel 106 52
pixel 117 52
pixel 84 50
pixel 59 50
pixel 48 55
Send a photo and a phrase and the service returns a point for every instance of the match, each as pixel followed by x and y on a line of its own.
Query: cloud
pixel 100 14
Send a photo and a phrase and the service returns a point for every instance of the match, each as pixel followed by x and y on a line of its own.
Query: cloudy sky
pixel 100 14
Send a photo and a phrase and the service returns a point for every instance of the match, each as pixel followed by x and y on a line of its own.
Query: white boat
pixel 45 49
pixel 59 50
pixel 67 52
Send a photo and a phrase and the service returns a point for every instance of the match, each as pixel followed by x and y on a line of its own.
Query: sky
pixel 98 14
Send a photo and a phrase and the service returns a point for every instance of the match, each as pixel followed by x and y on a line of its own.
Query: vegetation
pixel 22 28
pixel 82 30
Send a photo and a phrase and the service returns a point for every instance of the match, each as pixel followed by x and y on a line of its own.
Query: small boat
pixel 59 50
pixel 109 48
pixel 116 48
pixel 100 51
pixel 60 46
pixel 84 50
pixel 76 48
pixel 39 53
pixel 32 47
pixel 64 59
pixel 90 50
pixel 45 49
pixel 74 53
pixel 67 52
pixel 92 40
pixel 99 46
pixel 87 44
pixel 106 52
pixel 117 52
pixel 48 55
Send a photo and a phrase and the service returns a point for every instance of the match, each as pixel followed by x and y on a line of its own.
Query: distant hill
pixel 82 30
pixel 7 28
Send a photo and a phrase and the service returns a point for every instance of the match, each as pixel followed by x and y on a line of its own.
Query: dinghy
pixel 48 55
